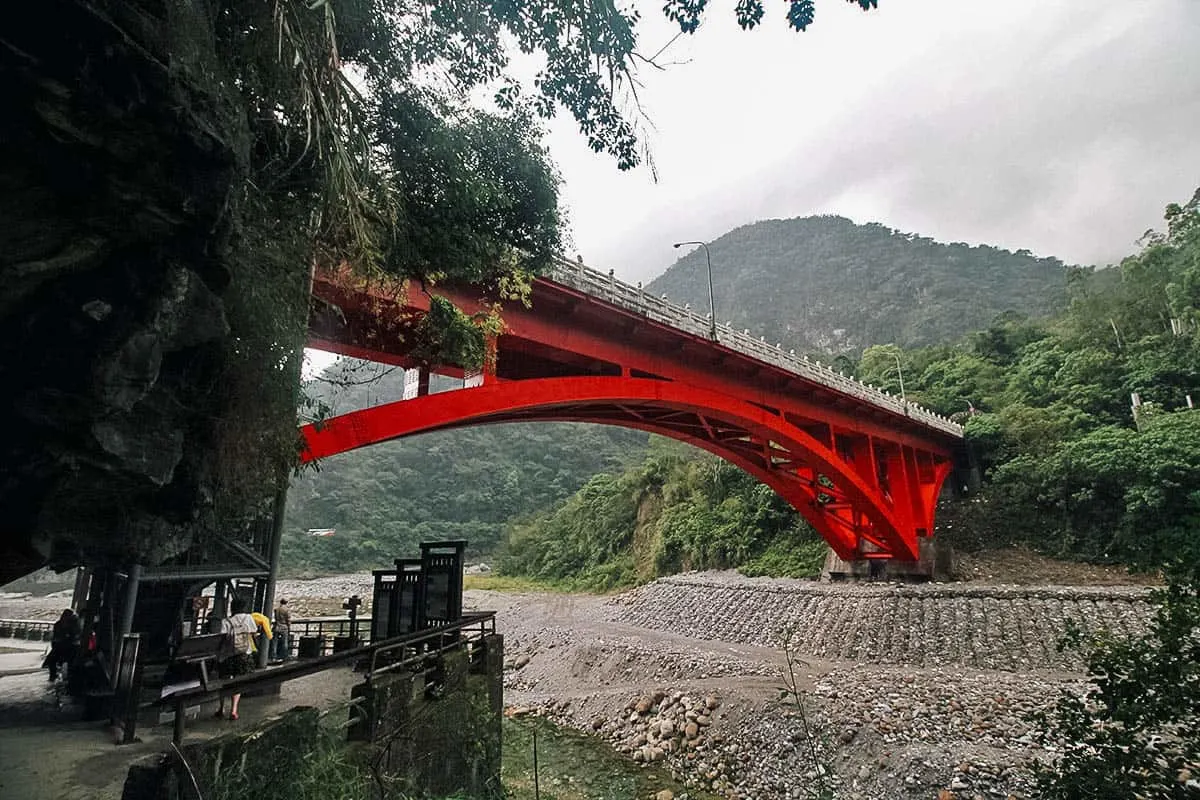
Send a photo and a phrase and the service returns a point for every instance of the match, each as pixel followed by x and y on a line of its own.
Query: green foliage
pixel 1069 471
pixel 793 555
pixel 384 500
pixel 1136 731
pixel 586 542
pixel 959 381
pixel 446 334
pixel 325 768
pixel 800 13
pixel 480 197
pixel 673 512
pixel 1114 494
pixel 589 56
pixel 717 517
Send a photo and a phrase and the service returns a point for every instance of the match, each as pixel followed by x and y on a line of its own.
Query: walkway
pixel 48 752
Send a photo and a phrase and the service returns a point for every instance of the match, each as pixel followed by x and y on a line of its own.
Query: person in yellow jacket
pixel 264 628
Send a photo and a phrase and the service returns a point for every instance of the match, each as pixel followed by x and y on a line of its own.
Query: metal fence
pixel 323 631
pixel 401 652
pixel 374 659
pixel 636 299
pixel 33 629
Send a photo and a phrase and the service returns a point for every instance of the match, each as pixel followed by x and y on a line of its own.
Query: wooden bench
pixel 197 654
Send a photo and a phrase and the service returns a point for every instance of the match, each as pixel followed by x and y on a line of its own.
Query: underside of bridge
pixel 866 480
pixel 828 480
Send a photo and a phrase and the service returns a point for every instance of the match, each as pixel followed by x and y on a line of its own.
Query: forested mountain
pixel 466 484
pixel 826 284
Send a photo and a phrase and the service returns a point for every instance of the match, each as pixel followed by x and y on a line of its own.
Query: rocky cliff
pixel 122 175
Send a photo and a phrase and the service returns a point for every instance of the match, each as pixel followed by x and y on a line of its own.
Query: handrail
pixel 36 623
pixel 39 627
pixel 327 628
pixel 401 644
pixel 483 620
pixel 634 298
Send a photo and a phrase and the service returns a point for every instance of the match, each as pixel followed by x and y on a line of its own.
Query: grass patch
pixel 514 583
pixel 573 766
pixel 324 766
pixel 787 560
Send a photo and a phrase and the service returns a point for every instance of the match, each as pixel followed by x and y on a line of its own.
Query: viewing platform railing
pixel 646 304
pixel 34 629
pixel 328 628
pixel 374 659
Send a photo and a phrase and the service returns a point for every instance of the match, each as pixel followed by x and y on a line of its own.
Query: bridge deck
pixel 864 467
pixel 633 298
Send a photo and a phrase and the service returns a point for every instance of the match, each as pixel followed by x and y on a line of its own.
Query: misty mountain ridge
pixel 826 284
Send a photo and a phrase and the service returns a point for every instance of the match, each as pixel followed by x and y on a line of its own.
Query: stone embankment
pixel 990 627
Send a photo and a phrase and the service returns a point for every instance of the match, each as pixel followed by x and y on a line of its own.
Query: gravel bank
pixel 910 691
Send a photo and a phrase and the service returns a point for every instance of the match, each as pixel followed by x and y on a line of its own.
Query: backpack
pixel 239 632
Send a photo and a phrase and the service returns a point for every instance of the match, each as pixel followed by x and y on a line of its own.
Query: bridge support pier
pixel 936 563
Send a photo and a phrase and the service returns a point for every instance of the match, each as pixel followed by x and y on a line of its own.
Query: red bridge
pixel 864 467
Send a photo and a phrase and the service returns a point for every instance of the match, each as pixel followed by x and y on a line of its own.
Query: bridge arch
pixel 845 502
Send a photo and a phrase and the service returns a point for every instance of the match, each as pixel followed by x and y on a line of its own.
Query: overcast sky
pixel 1061 127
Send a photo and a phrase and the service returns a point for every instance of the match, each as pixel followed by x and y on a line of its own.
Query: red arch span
pixel 845 506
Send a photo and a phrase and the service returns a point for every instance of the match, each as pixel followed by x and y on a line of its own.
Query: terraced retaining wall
pixel 992 627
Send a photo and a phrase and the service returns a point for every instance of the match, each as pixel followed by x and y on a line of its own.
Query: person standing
pixel 64 642
pixel 280 649
pixel 240 630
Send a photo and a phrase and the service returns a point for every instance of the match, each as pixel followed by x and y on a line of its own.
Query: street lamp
pixel 712 308
pixel 900 372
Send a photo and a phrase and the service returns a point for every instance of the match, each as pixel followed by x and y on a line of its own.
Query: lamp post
pixel 712 307
pixel 900 372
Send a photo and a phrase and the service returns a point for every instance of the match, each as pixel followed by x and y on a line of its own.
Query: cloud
pixel 1017 123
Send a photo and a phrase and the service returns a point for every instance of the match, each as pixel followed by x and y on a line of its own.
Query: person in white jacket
pixel 240 630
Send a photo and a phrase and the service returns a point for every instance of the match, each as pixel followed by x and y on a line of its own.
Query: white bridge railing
pixel 635 299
